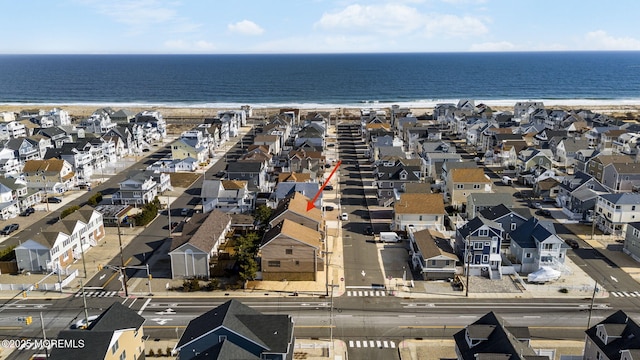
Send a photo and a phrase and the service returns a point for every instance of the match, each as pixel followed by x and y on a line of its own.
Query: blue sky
pixel 315 26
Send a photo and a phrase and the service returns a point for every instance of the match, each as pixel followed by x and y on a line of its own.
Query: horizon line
pixel 324 53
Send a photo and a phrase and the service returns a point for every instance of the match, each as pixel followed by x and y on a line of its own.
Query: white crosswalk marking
pixel 378 293
pixel 100 293
pixel 381 344
pixel 633 294
pixel 625 293
pixel 615 294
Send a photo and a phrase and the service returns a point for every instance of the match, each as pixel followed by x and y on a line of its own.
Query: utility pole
pixel 169 214
pixel 593 298
pixel 123 270
pixel 44 337
pixel 331 323
pixel 84 265
pixel 468 258
pixel 326 271
pixel 84 302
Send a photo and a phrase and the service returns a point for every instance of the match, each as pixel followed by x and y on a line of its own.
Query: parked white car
pixel 344 217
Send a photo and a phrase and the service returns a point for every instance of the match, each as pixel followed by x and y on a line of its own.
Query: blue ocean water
pixel 320 79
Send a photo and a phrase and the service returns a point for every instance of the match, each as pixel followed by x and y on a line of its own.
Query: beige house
pixel 116 334
pixel 291 251
pixel 418 211
pixel 52 176
pixel 294 208
pixel 462 182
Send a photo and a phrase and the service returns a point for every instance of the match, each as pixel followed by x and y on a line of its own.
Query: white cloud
pixel 397 19
pixel 134 12
pixel 600 40
pixel 394 19
pixel 245 27
pixel 455 26
pixel 493 46
pixel 185 46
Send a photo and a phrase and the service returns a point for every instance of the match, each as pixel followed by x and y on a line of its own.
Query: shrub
pixel 151 353
pixel 95 199
pixel 68 211
pixel 8 254
pixel 191 285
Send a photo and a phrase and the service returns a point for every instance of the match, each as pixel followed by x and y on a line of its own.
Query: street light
pixel 123 270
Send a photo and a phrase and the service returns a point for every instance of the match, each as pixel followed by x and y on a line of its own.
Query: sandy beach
pixel 80 111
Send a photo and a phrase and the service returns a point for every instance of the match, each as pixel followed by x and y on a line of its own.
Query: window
pixel 433 262
pixel 513 226
pixel 459 186
pixel 114 347
pixel 547 246
pixel 297 262
pixel 222 338
pixel 288 251
pixel 485 259
pixel 123 356
pixel 527 255
pixel 274 263
pixel 476 186
pixel 477 245
pixel 483 232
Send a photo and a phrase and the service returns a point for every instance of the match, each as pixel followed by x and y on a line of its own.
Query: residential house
pixel 529 160
pixel 577 195
pixel 117 333
pixel 238 116
pixel 10 165
pixel 510 218
pixel 188 164
pixel 596 165
pixel 582 159
pixel 232 121
pixel 431 255
pixel 535 244
pixel 184 148
pixel 272 142
pixel 491 338
pixel 305 161
pixel 463 182
pixel 547 188
pixel 236 331
pixel 614 211
pixel 566 152
pixel 310 133
pixel 24 149
pixel 254 173
pixel 632 241
pixel 477 202
pixel 288 188
pixel 126 143
pixel 50 176
pixel 201 238
pixel 421 211
pixel 60 244
pixel 153 125
pixel 56 134
pixel 626 143
pixel 138 188
pixel 291 251
pixel 391 177
pixel 12 130
pixel 228 196
pixel 123 116
pixel 620 177
pixel 478 243
pixel 294 208
pixel 617 337
pixel 15 191
pixel 434 162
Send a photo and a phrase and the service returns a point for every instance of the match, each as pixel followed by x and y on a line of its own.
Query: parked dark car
pixel 53 200
pixel 328 187
pixel 328 208
pixel 9 229
pixel 573 243
pixel 543 212
pixel 28 211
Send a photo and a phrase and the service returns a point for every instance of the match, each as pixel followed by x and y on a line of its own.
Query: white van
pixel 389 236
pixel 507 180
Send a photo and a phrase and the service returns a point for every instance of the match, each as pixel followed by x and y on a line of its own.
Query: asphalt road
pixel 361 266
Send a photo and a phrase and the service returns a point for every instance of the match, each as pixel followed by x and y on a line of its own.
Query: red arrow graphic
pixel 310 204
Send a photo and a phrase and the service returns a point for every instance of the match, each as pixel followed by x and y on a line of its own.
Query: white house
pixel 615 211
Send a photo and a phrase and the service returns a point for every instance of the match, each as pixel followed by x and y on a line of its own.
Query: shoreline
pixel 616 108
